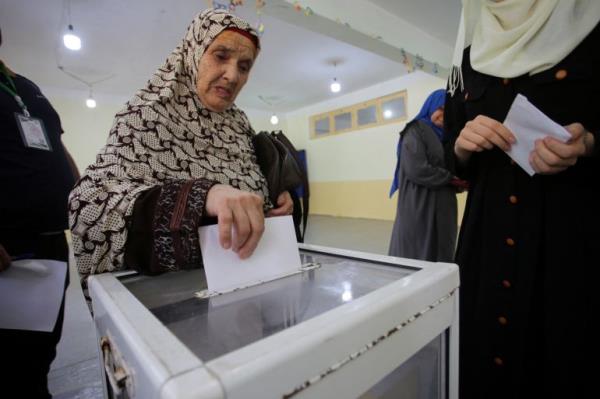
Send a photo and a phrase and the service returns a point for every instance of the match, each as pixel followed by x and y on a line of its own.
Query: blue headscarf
pixel 434 102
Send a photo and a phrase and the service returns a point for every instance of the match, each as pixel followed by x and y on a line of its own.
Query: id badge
pixel 33 132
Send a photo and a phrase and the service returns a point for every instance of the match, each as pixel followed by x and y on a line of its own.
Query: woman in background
pixel 425 227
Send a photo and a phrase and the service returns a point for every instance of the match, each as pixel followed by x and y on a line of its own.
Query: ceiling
pixel 439 18
pixel 124 41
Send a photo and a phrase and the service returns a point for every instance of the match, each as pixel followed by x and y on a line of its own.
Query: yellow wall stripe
pixel 366 199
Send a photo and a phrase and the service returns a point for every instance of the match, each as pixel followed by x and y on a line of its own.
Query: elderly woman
pixel 178 155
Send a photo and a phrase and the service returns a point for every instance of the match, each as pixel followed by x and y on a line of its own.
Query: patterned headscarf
pixel 163 135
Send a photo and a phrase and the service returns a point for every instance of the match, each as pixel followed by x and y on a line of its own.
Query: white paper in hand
pixel 529 124
pixel 275 256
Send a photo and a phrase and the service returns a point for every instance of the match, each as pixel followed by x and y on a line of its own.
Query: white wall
pixel 368 154
pixel 85 129
pixel 261 120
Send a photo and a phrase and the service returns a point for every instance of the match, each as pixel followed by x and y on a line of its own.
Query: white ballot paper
pixel 275 256
pixel 529 124
pixel 31 292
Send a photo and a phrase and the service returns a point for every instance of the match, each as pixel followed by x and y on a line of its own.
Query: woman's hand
pixel 482 133
pixel 285 205
pixel 551 156
pixel 240 215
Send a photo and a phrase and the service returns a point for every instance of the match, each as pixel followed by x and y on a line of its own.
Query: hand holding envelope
pixel 552 156
pixel 534 141
pixel 276 255
pixel 542 145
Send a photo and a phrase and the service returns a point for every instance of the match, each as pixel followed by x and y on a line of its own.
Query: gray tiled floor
pixel 366 235
pixel 76 373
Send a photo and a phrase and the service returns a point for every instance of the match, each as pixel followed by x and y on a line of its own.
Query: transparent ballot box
pixel 349 325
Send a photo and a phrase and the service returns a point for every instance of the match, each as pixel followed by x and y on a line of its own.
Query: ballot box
pixel 348 325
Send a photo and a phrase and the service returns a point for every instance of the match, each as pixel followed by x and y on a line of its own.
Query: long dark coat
pixel 528 246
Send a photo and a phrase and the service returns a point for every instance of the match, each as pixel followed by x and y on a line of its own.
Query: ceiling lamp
pixel 90 102
pixel 269 101
pixel 71 40
pixel 335 85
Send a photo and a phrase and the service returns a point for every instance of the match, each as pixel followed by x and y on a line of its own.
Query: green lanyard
pixel 12 90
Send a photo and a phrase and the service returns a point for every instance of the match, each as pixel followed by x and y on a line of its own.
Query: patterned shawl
pixel 163 137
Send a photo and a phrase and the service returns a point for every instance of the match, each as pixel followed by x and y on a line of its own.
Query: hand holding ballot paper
pixel 534 141
pixel 276 255
pixel 542 145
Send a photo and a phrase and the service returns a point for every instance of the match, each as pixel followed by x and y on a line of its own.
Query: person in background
pixel 426 216
pixel 36 175
pixel 528 246
pixel 179 155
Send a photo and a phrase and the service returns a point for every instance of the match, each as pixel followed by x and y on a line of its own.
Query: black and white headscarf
pixel 164 137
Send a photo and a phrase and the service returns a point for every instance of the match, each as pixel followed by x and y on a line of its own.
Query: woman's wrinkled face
pixel 437 118
pixel 224 69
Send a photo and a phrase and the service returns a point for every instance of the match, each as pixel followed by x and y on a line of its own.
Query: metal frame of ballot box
pixel 377 321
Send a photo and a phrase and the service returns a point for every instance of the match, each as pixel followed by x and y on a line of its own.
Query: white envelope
pixel 529 124
pixel 276 255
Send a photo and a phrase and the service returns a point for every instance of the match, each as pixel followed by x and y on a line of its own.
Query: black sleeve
pixel 596 150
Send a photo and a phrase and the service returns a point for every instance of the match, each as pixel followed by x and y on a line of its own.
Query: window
pixel 375 112
pixel 343 121
pixel 322 126
pixel 394 108
pixel 367 115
